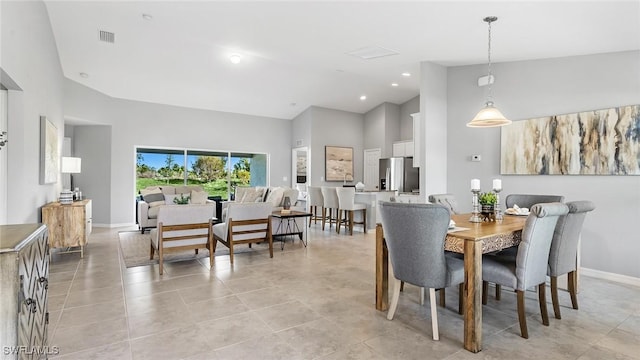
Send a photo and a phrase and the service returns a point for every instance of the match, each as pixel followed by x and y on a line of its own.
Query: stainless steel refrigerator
pixel 398 173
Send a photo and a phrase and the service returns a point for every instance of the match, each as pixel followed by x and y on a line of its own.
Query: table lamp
pixel 70 165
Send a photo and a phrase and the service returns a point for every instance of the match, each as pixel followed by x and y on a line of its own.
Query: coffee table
pixel 289 227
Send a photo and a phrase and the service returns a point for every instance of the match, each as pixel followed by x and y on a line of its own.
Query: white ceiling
pixel 295 52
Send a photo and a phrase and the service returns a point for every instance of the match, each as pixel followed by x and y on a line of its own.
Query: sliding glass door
pixel 217 172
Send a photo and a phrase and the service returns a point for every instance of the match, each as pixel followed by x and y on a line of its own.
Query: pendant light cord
pixel 489 20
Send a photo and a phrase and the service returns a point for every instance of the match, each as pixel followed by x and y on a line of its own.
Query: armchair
pixel 245 223
pixel 183 227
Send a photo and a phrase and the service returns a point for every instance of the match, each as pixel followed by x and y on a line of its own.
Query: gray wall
pixel 530 89
pixel 136 123
pixel 374 130
pixel 93 145
pixel 406 120
pixel 391 126
pixel 335 128
pixel 433 129
pixel 29 56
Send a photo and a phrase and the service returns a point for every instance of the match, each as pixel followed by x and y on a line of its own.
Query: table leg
pixel 382 271
pixel 473 295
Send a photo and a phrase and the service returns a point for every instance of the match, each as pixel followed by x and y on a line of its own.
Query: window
pixel 217 172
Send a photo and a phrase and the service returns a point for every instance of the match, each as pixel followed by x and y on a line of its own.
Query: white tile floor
pixel 305 303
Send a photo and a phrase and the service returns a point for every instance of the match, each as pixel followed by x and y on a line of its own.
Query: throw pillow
pixel 252 195
pixel 152 197
pixel 275 196
pixel 168 198
pixel 198 197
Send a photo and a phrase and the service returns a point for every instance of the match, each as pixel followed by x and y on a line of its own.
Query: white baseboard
pixel 114 225
pixel 624 279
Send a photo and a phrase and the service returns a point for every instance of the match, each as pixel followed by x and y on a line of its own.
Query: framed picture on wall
pixel 338 163
pixel 49 152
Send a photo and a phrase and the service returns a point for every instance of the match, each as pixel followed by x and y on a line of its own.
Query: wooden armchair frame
pixel 237 229
pixel 162 238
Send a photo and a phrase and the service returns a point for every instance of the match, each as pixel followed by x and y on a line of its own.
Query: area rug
pixel 135 250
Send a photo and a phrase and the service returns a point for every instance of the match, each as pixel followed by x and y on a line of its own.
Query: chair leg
pixel 270 246
pixel 554 297
pixel 498 291
pixel 573 285
pixel 401 285
pixel 485 289
pixel 324 212
pixel 460 298
pixel 152 251
pixel 421 296
pixel 160 256
pixel 434 314
pixel 351 222
pixel 521 315
pixel 196 251
pixel 313 210
pixel 364 220
pixel 230 251
pixel 542 299
pixel 443 301
pixel 394 299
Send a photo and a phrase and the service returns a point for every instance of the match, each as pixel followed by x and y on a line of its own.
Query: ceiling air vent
pixel 372 52
pixel 107 36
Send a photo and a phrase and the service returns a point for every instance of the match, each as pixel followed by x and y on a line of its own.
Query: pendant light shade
pixel 489 116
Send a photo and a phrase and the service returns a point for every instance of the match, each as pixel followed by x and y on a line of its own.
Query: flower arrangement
pixel 488 198
pixel 182 200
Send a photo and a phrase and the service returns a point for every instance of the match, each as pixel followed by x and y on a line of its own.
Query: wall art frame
pixel 338 163
pixel 597 142
pixel 49 152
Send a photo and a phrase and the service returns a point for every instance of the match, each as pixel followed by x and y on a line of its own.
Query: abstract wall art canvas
pixel 49 154
pixel 599 142
pixel 338 163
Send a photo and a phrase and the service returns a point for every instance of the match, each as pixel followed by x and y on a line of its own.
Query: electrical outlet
pixel 476 157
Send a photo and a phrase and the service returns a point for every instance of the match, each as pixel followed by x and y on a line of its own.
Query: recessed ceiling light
pixel 84 75
pixel 394 84
pixel 147 17
pixel 235 58
pixel 363 97
pixel 406 74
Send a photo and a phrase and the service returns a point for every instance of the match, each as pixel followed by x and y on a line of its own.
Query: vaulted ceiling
pixel 294 54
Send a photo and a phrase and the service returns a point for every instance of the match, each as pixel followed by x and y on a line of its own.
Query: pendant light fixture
pixel 489 116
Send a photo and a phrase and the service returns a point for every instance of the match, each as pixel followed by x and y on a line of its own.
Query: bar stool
pixel 315 199
pixel 347 206
pixel 330 198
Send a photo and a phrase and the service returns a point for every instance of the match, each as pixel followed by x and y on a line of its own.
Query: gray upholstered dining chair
pixel 564 250
pixel 446 200
pixel 530 266
pixel 528 200
pixel 415 235
pixel 524 201
pixel 315 200
pixel 331 203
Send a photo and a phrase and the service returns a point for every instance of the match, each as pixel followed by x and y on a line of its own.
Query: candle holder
pixel 496 210
pixel 475 214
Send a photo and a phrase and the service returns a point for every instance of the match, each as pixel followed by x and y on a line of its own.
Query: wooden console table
pixel 69 225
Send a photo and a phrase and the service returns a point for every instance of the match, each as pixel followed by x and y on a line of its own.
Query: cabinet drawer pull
pixel 45 281
pixel 31 304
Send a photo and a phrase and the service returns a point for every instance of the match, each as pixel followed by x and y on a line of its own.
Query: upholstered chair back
pixel 315 196
pixel 446 200
pixel 564 247
pixel 415 235
pixel 346 198
pixel 184 214
pixel 330 197
pixel 244 211
pixel 533 251
pixel 528 200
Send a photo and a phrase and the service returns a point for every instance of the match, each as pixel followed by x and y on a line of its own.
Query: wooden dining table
pixel 472 240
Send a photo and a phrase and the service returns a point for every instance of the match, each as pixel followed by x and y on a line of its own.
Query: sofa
pixel 151 198
pixel 274 195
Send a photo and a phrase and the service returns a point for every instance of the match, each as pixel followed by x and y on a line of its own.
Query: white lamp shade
pixel 71 165
pixel 489 116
